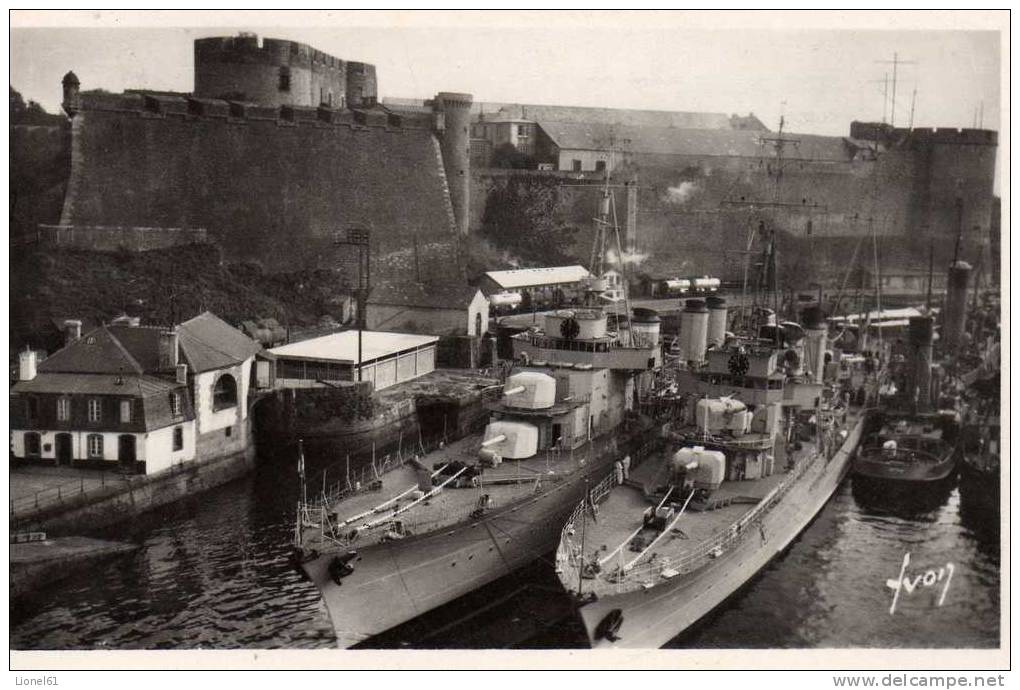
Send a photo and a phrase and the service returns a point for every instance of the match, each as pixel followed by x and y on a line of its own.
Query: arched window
pixel 225 392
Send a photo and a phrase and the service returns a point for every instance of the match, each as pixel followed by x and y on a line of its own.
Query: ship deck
pixel 609 535
pixel 398 500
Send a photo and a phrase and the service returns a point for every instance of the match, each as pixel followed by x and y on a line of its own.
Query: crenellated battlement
pixel 152 104
pixel 903 136
pixel 248 47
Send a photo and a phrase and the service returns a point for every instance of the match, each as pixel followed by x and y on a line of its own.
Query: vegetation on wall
pixel 346 404
pixel 524 218
pixel 161 287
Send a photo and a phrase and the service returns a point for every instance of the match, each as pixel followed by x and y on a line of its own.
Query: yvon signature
pixel 929 578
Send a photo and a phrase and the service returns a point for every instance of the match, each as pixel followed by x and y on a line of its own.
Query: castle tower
pixel 72 98
pixel 453 121
pixel 271 72
pixel 362 91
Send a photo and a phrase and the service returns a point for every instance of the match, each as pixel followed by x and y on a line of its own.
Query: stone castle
pixel 280 146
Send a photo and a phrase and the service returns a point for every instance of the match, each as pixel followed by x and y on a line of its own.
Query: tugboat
pixel 908 441
pixel 759 442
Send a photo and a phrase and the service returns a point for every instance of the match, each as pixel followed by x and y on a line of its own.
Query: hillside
pixel 160 287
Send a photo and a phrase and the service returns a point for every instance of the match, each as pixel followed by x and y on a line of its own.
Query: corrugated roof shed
pixel 537 277
pixel 343 346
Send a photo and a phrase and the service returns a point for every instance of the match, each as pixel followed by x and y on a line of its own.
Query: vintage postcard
pixel 584 340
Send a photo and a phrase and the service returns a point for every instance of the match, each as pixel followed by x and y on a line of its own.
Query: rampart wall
pixel 269 184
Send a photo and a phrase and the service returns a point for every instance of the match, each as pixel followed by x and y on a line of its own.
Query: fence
pixel 55 494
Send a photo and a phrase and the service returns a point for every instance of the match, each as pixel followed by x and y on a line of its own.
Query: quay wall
pixel 121 501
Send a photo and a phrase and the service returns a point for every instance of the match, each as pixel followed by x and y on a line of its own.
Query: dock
pixel 43 561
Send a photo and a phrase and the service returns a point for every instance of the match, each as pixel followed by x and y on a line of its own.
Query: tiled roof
pixel 690 142
pixel 451 295
pixel 95 384
pixel 208 342
pixel 607 116
pixel 96 352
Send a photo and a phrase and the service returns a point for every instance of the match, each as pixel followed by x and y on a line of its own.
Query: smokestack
pixel 955 318
pixel 694 331
pixel 816 337
pixel 717 315
pixel 918 379
pixel 26 365
pixel 72 331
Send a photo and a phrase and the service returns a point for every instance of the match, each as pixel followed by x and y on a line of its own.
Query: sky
pixel 818 78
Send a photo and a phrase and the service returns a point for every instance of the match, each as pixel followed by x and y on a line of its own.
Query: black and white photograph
pixel 520 338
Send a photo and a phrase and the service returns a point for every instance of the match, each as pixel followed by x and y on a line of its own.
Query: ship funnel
pixel 694 331
pixel 815 342
pixel 717 314
pixel 955 319
pixel 918 379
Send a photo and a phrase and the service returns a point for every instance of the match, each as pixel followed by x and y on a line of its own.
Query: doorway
pixel 64 451
pixel 126 452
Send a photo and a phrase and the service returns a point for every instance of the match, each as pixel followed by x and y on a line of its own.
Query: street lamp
pixel 358 237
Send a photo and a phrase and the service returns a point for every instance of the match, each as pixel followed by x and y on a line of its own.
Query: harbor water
pixel 212 573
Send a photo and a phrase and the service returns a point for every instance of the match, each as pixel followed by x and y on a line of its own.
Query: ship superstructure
pixel 759 440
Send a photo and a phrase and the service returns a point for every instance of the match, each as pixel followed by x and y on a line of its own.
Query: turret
pixel 72 97
pixel 453 121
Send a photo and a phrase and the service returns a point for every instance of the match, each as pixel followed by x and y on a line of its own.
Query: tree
pixel 522 218
pixel 28 114
pixel 507 156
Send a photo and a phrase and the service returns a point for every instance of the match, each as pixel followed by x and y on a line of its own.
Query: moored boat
pixel 759 447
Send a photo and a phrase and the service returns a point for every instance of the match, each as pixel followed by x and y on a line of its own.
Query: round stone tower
pixel 453 122
pixel 72 98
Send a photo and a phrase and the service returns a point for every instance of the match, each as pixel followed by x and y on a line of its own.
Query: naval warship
pixel 759 441
pixel 434 528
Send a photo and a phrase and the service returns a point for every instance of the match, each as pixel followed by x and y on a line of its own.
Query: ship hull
pixel 393 582
pixel 877 470
pixel 652 617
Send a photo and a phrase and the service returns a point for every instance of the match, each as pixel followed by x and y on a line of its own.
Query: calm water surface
pixel 211 572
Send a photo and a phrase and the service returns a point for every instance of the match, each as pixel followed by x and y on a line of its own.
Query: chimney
pixel 182 373
pixel 168 346
pixel 26 365
pixel 72 331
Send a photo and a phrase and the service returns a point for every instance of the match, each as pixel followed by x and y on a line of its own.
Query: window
pixel 32 445
pixel 576 165
pixel 522 130
pixel 95 445
pixel 600 166
pixel 31 408
pixel 63 409
pixel 224 392
pixel 285 79
pixel 125 411
pixel 175 404
pixel 178 438
pixel 95 409
pixel 228 431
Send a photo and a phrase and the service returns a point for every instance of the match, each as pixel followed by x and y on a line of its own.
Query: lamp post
pixel 358 237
